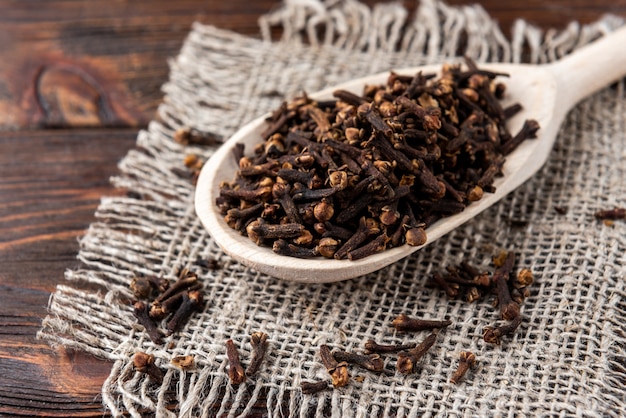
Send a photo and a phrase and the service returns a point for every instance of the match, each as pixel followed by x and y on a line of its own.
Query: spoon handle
pixel 589 69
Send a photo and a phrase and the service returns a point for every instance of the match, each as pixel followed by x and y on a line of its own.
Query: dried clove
pixel 191 302
pixel 143 286
pixel 466 360
pixel 509 309
pixel 493 334
pixel 338 371
pixel 258 341
pixel 611 214
pixel 529 130
pixel 238 218
pixel 160 310
pixel 366 228
pixel 372 362
pixel 408 359
pixel 310 388
pixel 524 279
pixel 208 263
pixel 349 97
pixel 262 229
pixel 477 278
pixel 451 289
pixel 280 192
pixel 190 136
pixel 327 247
pixel 472 294
pixel 186 281
pixel 377 245
pixel 141 312
pixel 519 294
pixel 407 324
pixel 372 346
pixel 236 372
pixel 144 363
pixel 283 247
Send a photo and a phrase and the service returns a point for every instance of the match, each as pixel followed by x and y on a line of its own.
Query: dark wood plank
pixel 36 379
pixel 50 185
pixel 98 63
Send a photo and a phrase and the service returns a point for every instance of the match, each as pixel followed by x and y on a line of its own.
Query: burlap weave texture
pixel 568 357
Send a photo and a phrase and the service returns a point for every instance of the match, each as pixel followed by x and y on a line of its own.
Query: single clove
pixel 144 363
pixel 338 371
pixel 187 281
pixel 191 136
pixel 238 218
pixel 377 245
pixel 611 214
pixel 258 341
pixel 466 360
pixel 159 310
pixel 236 372
pixel 372 362
pixel 478 278
pixel 524 279
pixel 408 359
pixel 372 346
pixel 310 388
pixel 282 247
pixel 366 228
pixel 529 130
pixel 143 286
pixel 191 302
pixel 141 312
pixel 407 324
pixel 349 97
pixel 280 192
pixel 509 309
pixel 492 335
pixel 262 229
pixel 451 289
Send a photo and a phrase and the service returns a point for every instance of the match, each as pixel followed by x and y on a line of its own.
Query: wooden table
pixel 77 81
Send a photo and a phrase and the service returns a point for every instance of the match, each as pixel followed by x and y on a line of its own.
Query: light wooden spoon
pixel 546 92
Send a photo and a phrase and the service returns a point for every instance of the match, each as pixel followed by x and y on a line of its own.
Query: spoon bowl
pixel 546 93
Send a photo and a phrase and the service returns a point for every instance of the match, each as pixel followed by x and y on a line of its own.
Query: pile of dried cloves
pixel 169 303
pixel 509 289
pixel 352 176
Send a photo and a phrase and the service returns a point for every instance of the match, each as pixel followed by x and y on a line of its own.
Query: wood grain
pixel 101 63
pixel 77 79
pixel 50 184
pixel 98 63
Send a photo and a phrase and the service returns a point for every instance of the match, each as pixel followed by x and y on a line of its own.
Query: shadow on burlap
pixel 566 359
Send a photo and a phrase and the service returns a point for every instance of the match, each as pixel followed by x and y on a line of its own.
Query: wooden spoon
pixel 547 93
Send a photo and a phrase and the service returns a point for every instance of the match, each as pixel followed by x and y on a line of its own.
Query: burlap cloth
pixel 568 357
